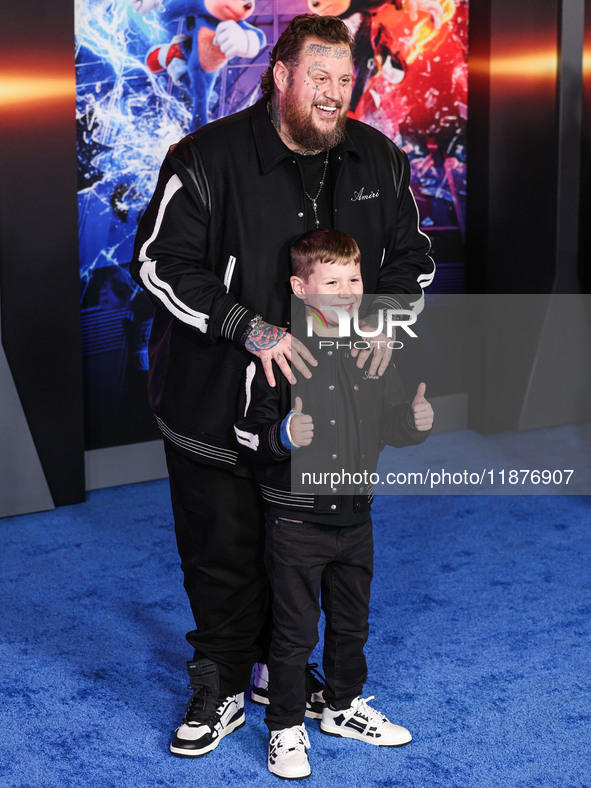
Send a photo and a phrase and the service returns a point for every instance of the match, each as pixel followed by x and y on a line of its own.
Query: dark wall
pixel 38 235
pixel 584 237
pixel 512 146
pixel 528 154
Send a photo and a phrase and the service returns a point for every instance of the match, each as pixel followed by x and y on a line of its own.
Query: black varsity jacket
pixel 212 250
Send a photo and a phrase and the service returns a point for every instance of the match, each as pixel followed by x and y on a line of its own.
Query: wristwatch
pixel 251 325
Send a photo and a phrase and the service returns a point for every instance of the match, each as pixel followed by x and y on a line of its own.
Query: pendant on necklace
pixel 314 200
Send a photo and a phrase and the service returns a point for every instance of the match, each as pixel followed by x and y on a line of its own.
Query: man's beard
pixel 299 125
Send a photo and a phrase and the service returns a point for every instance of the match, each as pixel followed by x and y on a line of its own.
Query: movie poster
pixel 148 72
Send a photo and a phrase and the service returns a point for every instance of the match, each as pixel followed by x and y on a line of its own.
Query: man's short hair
pixel 289 45
pixel 322 246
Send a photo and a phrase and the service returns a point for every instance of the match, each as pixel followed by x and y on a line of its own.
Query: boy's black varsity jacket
pixel 354 416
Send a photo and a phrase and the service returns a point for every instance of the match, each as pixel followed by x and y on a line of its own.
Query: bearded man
pixel 212 251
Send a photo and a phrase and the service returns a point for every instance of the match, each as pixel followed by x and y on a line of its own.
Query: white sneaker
pixel 287 753
pixel 363 723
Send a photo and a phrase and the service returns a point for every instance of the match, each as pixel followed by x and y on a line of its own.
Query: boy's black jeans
pixel 304 561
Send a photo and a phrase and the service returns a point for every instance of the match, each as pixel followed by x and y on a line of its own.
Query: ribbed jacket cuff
pixel 235 322
pixel 276 446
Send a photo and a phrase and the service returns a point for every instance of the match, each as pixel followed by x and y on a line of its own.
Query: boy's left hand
pixel 302 425
pixel 422 410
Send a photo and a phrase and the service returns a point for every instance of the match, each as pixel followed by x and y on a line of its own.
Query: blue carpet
pixel 505 463
pixel 479 644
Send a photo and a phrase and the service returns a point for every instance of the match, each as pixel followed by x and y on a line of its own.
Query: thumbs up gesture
pixel 422 410
pixel 301 425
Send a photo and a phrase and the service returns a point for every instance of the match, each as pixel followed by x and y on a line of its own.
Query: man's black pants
pixel 303 561
pixel 220 531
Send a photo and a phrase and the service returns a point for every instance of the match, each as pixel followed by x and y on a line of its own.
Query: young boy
pixel 321 543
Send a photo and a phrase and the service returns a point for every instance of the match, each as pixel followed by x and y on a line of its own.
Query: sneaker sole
pixel 301 776
pixel 261 700
pixel 339 733
pixel 182 752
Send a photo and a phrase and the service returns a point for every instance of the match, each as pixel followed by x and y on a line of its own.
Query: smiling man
pixel 212 250
pixel 309 108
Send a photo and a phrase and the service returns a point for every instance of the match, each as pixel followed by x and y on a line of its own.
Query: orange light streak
pixel 528 64
pixel 17 90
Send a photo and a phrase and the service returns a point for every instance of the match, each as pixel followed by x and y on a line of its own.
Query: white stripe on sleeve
pixel 424 280
pixel 247 439
pixel 249 377
pixel 158 287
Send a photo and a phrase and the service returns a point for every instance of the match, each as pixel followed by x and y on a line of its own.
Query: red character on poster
pixel 376 48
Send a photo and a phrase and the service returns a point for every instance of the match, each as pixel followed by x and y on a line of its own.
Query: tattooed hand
pixel 263 336
pixel 271 343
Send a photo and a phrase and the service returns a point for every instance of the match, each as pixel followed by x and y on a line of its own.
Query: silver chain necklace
pixel 314 200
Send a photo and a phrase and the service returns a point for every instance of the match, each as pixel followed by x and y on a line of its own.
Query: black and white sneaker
pixel 287 753
pixel 314 689
pixel 363 723
pixel 208 717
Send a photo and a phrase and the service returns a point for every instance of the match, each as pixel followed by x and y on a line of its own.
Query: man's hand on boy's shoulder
pixel 379 351
pixel 422 410
pixel 271 344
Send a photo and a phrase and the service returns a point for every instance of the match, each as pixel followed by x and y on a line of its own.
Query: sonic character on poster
pixel 211 33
